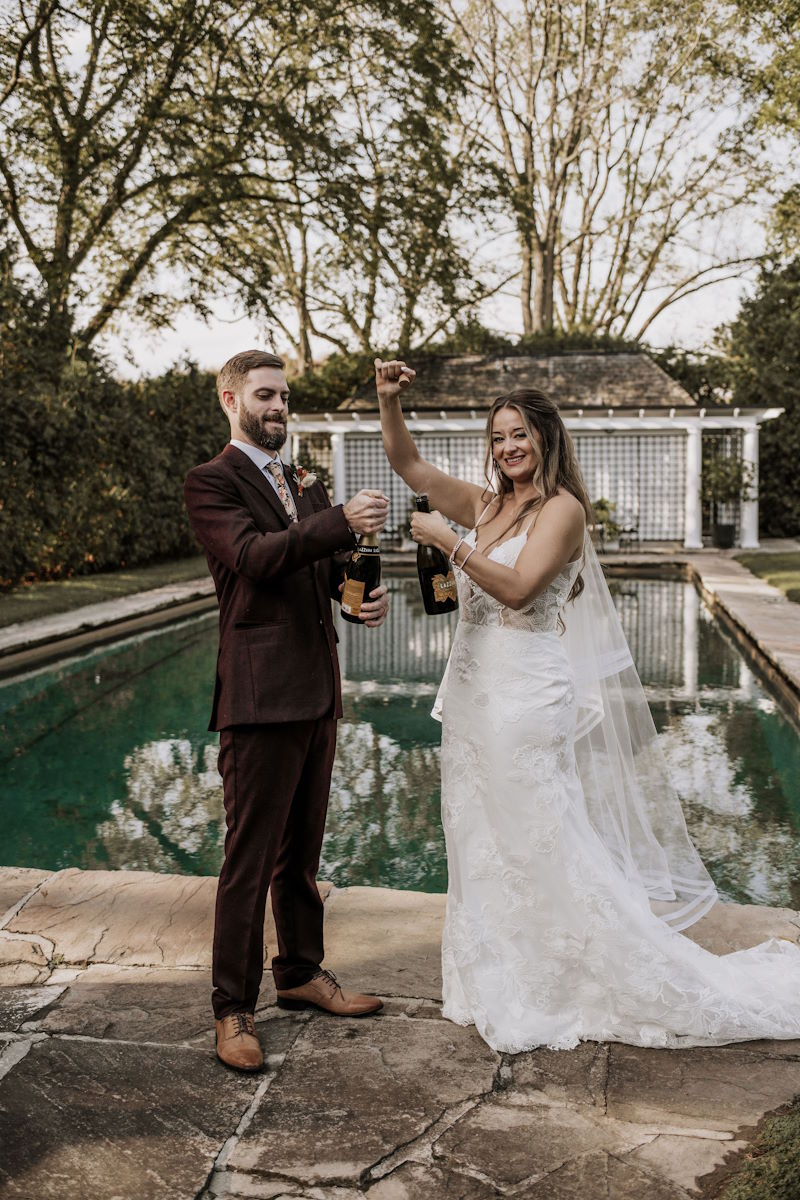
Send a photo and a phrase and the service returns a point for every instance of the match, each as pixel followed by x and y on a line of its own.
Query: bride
pixel 570 870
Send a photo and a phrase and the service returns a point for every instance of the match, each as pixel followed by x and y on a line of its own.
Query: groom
pixel 277 551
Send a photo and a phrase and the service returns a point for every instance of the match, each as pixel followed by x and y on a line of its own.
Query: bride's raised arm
pixel 456 499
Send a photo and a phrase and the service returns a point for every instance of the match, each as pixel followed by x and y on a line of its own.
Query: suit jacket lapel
pixel 248 469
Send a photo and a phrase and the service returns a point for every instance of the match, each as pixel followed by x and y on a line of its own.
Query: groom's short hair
pixel 233 375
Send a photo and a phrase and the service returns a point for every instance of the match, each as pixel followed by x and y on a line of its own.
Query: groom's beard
pixel 257 428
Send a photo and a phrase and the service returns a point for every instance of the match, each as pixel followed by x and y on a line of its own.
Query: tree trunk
pixel 526 283
pixel 544 285
pixel 305 357
pixel 407 327
pixel 58 332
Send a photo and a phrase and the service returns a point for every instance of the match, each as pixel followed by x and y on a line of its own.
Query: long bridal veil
pixel 631 803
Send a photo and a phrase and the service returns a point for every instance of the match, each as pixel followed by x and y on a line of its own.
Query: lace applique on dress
pixel 541 614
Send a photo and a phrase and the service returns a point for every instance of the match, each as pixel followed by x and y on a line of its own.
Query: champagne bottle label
pixel 353 596
pixel 444 587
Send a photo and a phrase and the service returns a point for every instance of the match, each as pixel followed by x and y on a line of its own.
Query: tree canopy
pixel 762 346
pixel 153 155
pixel 347 169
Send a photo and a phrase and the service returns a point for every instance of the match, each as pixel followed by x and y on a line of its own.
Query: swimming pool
pixel 107 762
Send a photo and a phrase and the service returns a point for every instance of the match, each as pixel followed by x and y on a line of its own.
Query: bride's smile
pixel 512 449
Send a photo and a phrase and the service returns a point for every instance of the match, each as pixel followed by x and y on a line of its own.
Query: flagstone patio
pixel 109 1085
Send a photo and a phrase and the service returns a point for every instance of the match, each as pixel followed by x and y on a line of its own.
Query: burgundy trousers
pixel 276 781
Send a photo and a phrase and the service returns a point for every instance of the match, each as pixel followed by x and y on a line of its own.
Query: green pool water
pixel 107 762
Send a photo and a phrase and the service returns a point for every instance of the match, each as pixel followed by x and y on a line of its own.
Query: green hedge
pixel 93 470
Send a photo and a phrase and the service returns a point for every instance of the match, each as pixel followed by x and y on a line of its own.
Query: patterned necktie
pixel 282 487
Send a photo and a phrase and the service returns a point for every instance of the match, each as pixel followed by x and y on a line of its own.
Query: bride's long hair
pixel 556 464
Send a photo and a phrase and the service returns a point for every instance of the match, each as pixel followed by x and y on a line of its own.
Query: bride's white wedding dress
pixel 550 937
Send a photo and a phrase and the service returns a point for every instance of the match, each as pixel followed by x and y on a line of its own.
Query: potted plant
pixel 727 480
pixel 605 530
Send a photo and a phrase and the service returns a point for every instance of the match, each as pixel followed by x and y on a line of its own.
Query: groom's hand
pixel 376 610
pixel 392 377
pixel 367 511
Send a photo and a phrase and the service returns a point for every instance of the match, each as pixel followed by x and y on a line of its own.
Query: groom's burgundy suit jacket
pixel 275 579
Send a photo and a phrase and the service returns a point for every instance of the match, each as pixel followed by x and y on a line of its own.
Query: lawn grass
pixel 781 570
pixel 32 601
pixel 769 1169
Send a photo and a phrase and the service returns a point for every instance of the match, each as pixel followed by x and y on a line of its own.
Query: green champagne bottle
pixel 362 575
pixel 436 578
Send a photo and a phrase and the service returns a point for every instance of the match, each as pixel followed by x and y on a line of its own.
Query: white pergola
pixel 690 422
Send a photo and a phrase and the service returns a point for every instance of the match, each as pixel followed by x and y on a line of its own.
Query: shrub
pixel 93 469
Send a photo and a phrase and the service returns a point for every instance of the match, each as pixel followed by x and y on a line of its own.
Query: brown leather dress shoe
pixel 237 1042
pixel 325 992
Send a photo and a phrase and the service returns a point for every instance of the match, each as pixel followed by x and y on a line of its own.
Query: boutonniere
pixel 303 479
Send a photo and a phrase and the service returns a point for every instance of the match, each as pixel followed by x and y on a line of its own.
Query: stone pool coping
pixel 107 1064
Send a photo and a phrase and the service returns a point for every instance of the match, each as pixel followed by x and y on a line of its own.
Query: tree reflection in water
pixel 171 812
pixel 107 762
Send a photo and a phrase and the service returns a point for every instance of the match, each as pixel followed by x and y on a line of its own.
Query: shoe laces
pixel 330 978
pixel 245 1023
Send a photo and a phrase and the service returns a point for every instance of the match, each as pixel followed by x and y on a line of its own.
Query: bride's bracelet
pixel 452 559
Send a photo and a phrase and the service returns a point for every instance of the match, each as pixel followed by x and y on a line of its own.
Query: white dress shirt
pixel 261 458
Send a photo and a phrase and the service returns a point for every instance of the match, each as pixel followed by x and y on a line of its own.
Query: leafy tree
pixel 707 376
pixel 136 139
pixel 763 347
pixel 325 387
pixel 23 319
pixel 372 250
pixel 765 61
pixel 596 119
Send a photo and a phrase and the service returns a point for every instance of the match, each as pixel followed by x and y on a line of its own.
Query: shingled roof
pixel 460 382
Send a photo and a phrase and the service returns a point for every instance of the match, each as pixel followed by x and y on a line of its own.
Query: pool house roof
pixel 596 392
pixel 575 380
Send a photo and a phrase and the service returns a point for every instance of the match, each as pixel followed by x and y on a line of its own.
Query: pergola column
pixel 749 510
pixel 693 517
pixel 337 456
pixel 691 618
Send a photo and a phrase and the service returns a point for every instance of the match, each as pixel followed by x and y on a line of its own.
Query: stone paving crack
pixel 274 1064
pixel 111 1041
pixel 20 904
pixel 15 1051
pixel 605 1056
pixel 44 1011
pixel 231 1143
pixel 522 1188
pixel 36 939
pixel 422 1141
pixel 504 1075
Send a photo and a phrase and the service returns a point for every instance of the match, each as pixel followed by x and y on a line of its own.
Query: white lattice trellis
pixel 642 474
pixel 366 466
pixel 648 464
